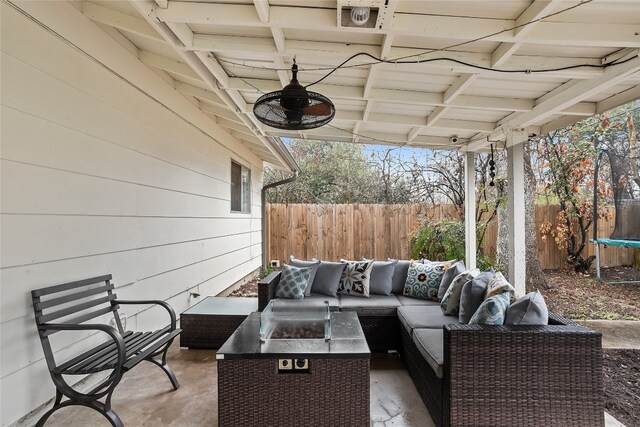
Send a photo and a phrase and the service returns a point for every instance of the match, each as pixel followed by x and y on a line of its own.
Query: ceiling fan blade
pixel 320 109
pixel 276 105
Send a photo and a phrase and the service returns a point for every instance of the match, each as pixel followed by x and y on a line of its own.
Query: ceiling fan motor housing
pixel 294 108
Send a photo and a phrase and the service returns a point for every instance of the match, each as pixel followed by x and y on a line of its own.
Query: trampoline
pixel 626 233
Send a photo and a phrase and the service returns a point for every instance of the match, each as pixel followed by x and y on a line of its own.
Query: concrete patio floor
pixel 145 398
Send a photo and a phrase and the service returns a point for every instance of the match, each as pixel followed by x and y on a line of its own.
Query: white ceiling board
pixel 430 43
pixel 578 52
pixel 395 100
pixel 607 12
pixel 475 115
pixel 492 9
pixel 149 45
pixel 120 6
pixel 230 30
pixel 336 36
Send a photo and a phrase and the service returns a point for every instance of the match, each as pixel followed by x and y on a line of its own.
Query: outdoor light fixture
pixel 360 15
pixel 294 108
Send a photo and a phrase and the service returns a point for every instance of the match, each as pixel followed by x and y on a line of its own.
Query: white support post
pixel 516 208
pixel 470 210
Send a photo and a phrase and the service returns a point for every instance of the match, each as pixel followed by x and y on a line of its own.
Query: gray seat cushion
pixel 375 305
pixel 417 317
pixel 334 302
pixel 404 300
pixel 431 346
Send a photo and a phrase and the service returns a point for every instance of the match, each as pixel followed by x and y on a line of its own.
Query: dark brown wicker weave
pixel 499 375
pixel 295 399
pixel 381 332
pixel 429 386
pixel 207 331
pixel 513 375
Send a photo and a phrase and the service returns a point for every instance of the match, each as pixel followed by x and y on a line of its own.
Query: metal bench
pixel 65 308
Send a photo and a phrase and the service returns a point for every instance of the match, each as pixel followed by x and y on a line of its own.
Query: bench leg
pixel 104 409
pixel 163 365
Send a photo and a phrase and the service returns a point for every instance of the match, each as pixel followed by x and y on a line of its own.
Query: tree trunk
pixel 536 278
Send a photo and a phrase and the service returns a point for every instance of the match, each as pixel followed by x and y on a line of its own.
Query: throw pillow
pixel 293 282
pixel 456 269
pixel 423 280
pixel 450 303
pixel 472 295
pixel 498 285
pixel 327 278
pixel 528 310
pixel 492 310
pixel 356 278
pixel 399 275
pixel 314 270
pixel 381 277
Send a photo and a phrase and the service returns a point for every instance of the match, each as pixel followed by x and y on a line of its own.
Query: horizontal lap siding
pixel 97 178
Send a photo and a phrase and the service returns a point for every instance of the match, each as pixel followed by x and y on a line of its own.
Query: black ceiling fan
pixel 293 107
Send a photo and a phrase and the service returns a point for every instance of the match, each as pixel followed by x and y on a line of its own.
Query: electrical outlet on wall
pixel 275 263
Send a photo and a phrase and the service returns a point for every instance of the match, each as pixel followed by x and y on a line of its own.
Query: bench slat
pixel 74 309
pixel 72 297
pixel 134 347
pixel 135 360
pixel 111 356
pixel 148 342
pixel 106 346
pixel 83 318
pixel 71 285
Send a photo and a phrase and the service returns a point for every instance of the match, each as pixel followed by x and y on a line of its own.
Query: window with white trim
pixel 240 188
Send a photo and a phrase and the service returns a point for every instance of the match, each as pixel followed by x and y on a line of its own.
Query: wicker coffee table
pixel 295 382
pixel 209 323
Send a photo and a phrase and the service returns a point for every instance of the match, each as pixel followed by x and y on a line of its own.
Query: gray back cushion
pixel 328 278
pixel 528 310
pixel 382 277
pixel 472 295
pixel 456 269
pixel 309 264
pixel 399 275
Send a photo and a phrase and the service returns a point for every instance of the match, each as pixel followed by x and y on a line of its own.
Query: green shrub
pixel 444 240
pixel 265 271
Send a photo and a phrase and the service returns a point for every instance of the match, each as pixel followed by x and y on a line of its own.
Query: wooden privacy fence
pixel 331 232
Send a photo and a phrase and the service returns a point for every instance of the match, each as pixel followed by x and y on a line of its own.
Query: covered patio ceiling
pixel 224 54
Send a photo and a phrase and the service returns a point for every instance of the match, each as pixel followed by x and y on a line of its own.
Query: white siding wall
pixel 98 177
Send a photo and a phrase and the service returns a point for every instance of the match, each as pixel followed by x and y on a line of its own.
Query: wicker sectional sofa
pixel 472 375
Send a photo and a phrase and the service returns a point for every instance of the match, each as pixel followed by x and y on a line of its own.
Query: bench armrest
pixel 167 307
pixel 267 289
pixel 109 330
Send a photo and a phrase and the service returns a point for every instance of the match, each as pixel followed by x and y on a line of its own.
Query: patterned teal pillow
pixel 450 303
pixel 492 310
pixel 293 282
pixel 423 280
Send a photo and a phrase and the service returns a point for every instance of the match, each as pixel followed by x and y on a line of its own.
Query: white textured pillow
pixel 355 278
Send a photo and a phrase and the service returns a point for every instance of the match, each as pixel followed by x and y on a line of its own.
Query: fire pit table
pixel 294 365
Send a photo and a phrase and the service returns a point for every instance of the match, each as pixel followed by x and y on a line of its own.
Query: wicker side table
pixel 209 323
